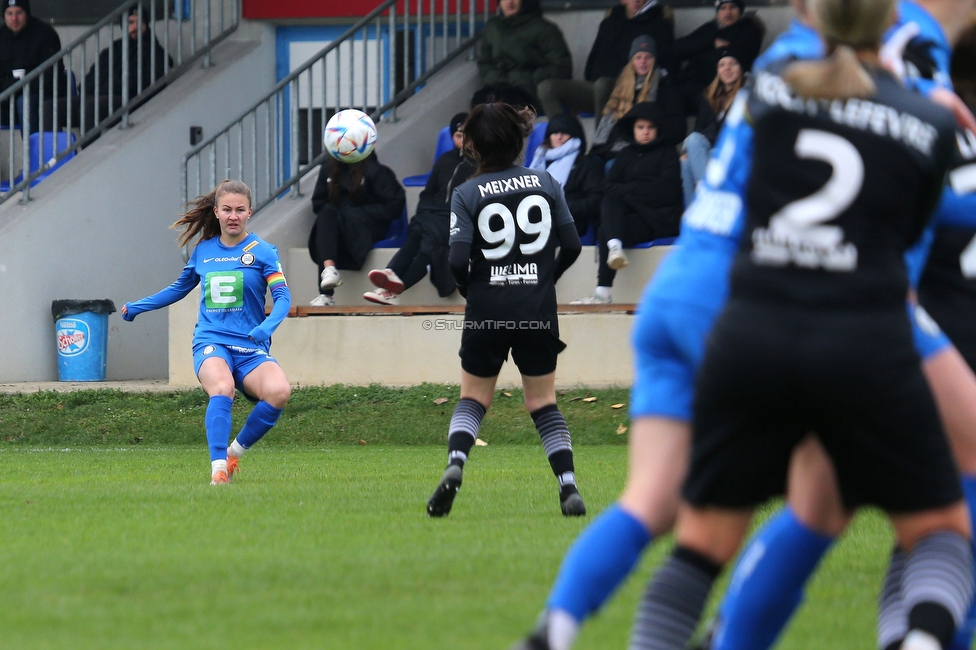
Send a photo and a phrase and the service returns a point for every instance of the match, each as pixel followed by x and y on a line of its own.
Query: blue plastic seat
pixel 663 241
pixel 588 238
pixel 535 139
pixel 396 234
pixel 53 142
pixel 444 144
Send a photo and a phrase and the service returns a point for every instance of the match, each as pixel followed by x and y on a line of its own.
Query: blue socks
pixel 768 582
pixel 964 635
pixel 598 561
pixel 258 423
pixel 217 422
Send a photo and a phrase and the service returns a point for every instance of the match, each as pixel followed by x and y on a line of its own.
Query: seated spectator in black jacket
pixel 563 155
pixel 147 63
pixel 642 197
pixel 699 50
pixel 25 43
pixel 610 53
pixel 641 80
pixel 429 230
pixel 354 205
pixel 521 48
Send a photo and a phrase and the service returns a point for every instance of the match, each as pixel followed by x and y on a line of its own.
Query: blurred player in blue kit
pixel 232 337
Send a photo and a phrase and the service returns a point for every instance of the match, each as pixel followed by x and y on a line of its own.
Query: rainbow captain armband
pixel 276 279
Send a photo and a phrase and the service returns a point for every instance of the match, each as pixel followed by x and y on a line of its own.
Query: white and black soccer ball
pixel 350 136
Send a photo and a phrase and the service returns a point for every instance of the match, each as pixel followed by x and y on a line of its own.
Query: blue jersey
pixel 235 282
pixel 798 41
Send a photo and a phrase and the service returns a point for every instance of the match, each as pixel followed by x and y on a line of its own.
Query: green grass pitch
pixel 322 542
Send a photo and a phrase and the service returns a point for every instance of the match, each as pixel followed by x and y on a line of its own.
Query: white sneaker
pixel 382 296
pixel 592 299
pixel 386 279
pixel 616 260
pixel 322 300
pixel 330 278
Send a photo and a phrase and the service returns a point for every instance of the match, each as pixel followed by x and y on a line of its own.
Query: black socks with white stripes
pixel 559 447
pixel 465 424
pixel 674 600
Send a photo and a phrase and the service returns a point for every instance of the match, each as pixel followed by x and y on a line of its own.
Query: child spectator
pixel 713 106
pixel 429 230
pixel 354 205
pixel 610 52
pixel 641 80
pixel 521 48
pixel 642 197
pixel 563 155
pixel 700 50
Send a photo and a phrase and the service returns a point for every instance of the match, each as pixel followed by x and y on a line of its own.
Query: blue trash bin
pixel 81 331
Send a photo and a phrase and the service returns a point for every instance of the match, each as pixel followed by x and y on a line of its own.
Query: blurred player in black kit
pixel 507 223
pixel 815 336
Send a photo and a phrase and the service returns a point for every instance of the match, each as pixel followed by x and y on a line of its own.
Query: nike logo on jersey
pixel 509 184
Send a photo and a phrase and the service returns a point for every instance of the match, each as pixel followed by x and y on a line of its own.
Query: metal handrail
pixel 275 143
pixel 68 115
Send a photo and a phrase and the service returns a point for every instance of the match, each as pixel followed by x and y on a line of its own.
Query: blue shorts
pixel 669 343
pixel 929 337
pixel 240 360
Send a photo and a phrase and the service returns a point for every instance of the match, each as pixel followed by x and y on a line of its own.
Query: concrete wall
pixel 100 229
pixel 415 349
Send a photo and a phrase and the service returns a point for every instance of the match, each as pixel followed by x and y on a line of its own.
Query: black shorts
pixel 772 375
pixel 955 315
pixel 483 351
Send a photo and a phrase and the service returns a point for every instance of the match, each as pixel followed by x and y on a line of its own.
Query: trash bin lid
pixel 62 308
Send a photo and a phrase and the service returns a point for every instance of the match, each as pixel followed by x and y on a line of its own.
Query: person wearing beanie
pixel 563 155
pixel 641 80
pixel 520 48
pixel 698 51
pixel 609 54
pixel 427 234
pixel 25 43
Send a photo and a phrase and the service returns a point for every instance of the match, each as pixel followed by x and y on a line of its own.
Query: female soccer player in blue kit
pixel 232 337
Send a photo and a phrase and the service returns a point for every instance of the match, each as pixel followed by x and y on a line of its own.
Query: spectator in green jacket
pixel 520 48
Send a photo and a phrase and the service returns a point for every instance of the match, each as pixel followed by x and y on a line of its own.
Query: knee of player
pixel 278 395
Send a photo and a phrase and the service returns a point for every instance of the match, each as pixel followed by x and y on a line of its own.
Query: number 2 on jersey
pixel 505 237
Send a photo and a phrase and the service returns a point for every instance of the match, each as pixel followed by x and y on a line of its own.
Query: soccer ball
pixel 350 136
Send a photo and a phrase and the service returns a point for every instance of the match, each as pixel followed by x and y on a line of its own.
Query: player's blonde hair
pixel 847 26
pixel 199 219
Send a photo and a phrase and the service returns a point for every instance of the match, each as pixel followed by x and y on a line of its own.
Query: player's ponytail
pixel 200 219
pixel 494 134
pixel 848 27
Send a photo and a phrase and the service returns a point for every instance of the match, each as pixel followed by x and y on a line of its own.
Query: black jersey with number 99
pixel 838 191
pixel 510 218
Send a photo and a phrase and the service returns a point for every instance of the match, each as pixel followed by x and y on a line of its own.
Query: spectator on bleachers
pixel 642 198
pixel 699 50
pixel 25 43
pixel 429 230
pixel 610 53
pixel 109 65
pixel 641 80
pixel 354 205
pixel 563 155
pixel 521 48
pixel 713 106
pixel 103 82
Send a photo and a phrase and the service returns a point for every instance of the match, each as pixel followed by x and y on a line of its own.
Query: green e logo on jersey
pixel 224 289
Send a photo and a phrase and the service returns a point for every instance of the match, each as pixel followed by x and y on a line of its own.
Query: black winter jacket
pixel 26 50
pixel 114 72
pixel 584 191
pixel 523 50
pixel 698 48
pixel 362 221
pixel 611 49
pixel 647 178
